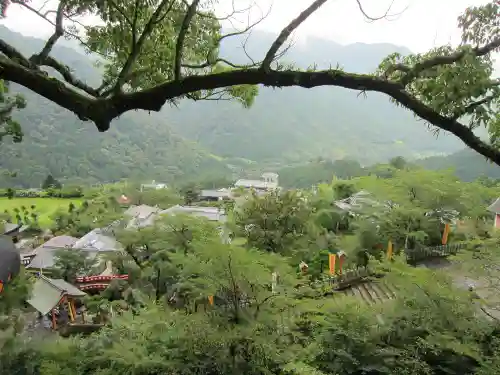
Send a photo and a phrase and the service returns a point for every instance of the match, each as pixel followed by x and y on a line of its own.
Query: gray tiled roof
pixel 495 207
pixel 47 293
pixel 45 254
pixel 45 258
pixel 257 184
pixel 357 201
pixel 211 213
pixel 97 241
pixel 142 211
pixel 60 241
pixel 10 260
pixel 141 223
pixel 10 227
pixel 216 193
pixel 142 216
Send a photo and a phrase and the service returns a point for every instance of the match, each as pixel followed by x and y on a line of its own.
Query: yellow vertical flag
pixel 389 250
pixel 211 300
pixel 446 232
pixel 331 261
pixel 70 311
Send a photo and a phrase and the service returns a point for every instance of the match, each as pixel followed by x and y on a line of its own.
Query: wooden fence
pixel 360 281
pixel 350 277
pixel 423 253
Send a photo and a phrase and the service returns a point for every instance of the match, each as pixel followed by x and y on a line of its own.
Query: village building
pixel 10 263
pixel 55 297
pixel 141 216
pixel 268 182
pixel 44 257
pixel 215 195
pixel 98 241
pixel 15 231
pixel 153 186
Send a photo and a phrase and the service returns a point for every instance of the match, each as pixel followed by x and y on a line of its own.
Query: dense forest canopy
pixel 136 77
pixel 196 305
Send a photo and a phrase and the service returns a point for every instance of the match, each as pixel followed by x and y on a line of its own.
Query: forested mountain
pixel 283 126
pixel 294 124
pixel 57 143
pixel 468 165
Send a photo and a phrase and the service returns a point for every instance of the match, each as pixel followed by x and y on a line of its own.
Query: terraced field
pixel 370 293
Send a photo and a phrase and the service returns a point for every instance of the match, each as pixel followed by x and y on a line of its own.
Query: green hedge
pixel 65 192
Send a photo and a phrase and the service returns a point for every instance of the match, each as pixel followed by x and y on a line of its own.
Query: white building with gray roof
pixel 269 181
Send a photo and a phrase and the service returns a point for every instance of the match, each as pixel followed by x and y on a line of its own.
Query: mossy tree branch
pixel 90 104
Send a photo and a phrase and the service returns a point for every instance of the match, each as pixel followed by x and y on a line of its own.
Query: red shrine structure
pixel 93 284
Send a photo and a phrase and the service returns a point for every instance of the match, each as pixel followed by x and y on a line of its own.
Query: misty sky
pixel 424 23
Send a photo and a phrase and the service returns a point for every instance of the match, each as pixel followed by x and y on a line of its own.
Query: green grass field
pixel 44 207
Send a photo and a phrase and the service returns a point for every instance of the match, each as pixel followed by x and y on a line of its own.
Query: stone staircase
pixel 370 292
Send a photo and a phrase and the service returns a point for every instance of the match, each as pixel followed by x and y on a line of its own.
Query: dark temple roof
pixel 10 260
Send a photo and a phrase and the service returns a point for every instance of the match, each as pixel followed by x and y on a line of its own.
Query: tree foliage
pixel 195 304
pixel 8 104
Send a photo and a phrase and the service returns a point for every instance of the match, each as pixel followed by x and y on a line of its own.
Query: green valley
pixel 178 197
pixel 191 141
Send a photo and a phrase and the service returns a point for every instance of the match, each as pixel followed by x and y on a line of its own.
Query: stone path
pixel 370 292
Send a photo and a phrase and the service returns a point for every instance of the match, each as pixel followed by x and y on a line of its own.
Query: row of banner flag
pixel 336 260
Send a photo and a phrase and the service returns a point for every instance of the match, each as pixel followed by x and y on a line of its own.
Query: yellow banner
pixel 446 233
pixel 389 250
pixel 331 261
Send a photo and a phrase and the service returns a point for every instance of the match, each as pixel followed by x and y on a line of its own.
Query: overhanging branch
pixel 102 110
pixel 56 91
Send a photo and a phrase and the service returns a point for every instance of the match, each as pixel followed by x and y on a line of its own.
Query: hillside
pixel 56 142
pixel 284 126
pixel 468 165
pixel 294 124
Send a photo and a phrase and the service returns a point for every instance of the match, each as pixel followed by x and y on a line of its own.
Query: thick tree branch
pixel 56 91
pixel 287 31
pixel 65 72
pixel 186 22
pixel 33 65
pixel 103 111
pixel 13 54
